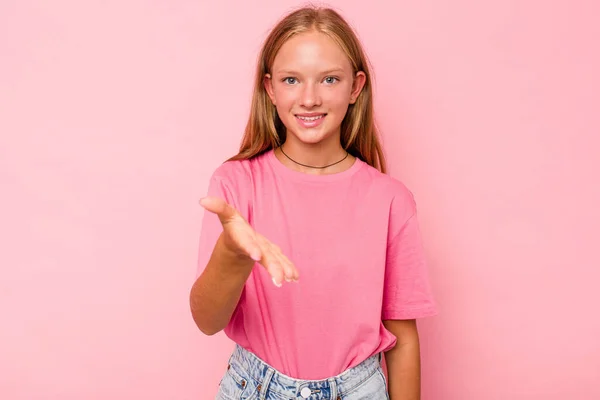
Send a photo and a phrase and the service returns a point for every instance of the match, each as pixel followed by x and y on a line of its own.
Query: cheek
pixel 338 103
pixel 284 98
pixel 338 98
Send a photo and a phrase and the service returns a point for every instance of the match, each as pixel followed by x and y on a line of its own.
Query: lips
pixel 305 117
pixel 310 120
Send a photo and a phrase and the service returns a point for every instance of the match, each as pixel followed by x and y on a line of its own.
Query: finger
pixel 218 206
pixel 289 271
pixel 273 267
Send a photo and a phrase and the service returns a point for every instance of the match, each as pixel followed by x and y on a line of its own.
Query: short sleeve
pixel 407 290
pixel 211 227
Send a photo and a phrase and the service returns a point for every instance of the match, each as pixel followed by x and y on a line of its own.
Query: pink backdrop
pixel 114 114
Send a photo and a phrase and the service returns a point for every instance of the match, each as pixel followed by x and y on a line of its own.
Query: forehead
pixel 310 51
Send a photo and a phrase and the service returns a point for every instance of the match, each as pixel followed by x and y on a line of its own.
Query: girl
pixel 310 255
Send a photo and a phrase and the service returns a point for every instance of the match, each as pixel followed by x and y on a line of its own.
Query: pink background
pixel 113 115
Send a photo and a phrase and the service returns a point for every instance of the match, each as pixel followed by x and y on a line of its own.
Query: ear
pixel 357 86
pixel 268 84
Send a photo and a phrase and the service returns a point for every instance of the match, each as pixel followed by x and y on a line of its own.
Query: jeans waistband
pixel 272 380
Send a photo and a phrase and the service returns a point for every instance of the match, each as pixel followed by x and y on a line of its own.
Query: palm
pixel 237 232
pixel 240 238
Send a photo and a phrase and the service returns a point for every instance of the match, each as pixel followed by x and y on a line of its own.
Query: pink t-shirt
pixel 355 240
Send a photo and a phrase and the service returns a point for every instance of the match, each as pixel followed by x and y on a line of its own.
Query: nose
pixel 310 96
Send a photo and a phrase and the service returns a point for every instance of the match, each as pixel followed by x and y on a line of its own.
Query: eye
pixel 289 80
pixel 331 79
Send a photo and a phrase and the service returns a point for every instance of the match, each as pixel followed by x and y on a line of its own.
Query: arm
pixel 404 361
pixel 216 292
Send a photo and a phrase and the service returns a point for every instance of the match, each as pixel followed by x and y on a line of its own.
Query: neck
pixel 316 160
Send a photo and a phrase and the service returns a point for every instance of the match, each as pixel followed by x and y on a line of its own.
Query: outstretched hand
pixel 241 239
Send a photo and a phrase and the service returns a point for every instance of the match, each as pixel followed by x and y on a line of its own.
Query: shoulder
pixel 230 171
pixel 391 196
pixel 239 176
pixel 234 181
pixel 388 186
pixel 238 172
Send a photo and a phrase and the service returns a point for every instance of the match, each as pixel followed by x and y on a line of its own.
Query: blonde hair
pixel 265 131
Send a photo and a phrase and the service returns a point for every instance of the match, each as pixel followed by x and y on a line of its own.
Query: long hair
pixel 265 131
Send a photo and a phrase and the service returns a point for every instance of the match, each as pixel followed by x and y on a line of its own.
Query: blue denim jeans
pixel 249 378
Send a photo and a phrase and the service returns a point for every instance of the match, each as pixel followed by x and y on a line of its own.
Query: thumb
pixel 218 206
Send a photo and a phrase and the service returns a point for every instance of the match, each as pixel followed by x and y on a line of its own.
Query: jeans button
pixel 306 392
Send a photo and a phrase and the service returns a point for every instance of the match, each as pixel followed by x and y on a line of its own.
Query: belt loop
pixel 265 384
pixel 333 388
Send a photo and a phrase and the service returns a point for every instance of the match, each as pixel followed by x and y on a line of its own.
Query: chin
pixel 309 138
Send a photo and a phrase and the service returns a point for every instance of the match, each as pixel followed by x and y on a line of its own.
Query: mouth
pixel 309 121
pixel 310 118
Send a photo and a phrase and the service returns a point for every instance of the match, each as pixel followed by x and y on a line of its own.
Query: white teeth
pixel 311 118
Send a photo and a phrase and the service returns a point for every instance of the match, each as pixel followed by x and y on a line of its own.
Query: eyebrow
pixel 291 72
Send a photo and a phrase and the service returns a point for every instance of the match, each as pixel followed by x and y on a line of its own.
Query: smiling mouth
pixel 312 118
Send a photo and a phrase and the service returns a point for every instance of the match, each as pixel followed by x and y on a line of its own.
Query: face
pixel 311 85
